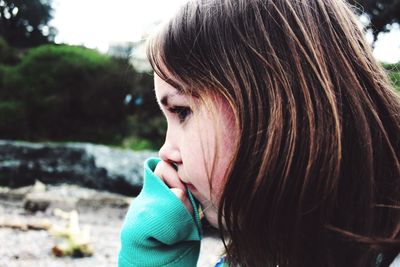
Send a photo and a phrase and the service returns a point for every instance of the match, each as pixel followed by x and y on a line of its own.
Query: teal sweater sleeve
pixel 158 230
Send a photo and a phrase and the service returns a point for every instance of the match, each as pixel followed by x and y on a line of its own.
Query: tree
pixel 24 23
pixel 381 13
pixel 72 93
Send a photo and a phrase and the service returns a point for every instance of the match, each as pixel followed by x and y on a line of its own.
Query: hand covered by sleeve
pixel 158 229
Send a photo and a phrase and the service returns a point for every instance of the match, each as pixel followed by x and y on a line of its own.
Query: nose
pixel 169 151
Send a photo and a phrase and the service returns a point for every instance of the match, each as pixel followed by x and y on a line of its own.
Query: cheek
pixel 208 152
pixel 196 159
pixel 218 150
pixel 192 157
pixel 219 175
pixel 226 143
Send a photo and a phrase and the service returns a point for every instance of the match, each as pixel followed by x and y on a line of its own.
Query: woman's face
pixel 197 137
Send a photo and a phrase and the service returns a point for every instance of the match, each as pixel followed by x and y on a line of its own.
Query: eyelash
pixel 181 112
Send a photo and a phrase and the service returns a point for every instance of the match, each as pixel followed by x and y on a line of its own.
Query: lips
pixel 191 187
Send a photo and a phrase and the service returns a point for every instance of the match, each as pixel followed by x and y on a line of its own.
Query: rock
pixel 115 202
pixel 20 193
pixel 34 204
pixel 93 166
pixel 72 197
pixel 7 193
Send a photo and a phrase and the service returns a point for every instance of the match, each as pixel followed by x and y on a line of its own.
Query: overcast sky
pixel 99 23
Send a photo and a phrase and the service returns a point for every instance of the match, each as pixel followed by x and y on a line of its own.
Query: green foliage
pixel 64 93
pixel 146 124
pixel 394 74
pixel 8 54
pixel 392 67
pixel 67 93
pixel 395 78
pixel 8 81
pixel 135 143
pixel 147 131
pixel 12 119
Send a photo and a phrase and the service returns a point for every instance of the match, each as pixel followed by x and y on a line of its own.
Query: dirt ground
pixel 27 215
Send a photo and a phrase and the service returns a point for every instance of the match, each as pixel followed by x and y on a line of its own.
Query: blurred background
pixel 78 117
pixel 75 70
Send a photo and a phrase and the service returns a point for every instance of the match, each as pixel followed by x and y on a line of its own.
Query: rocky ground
pixel 28 217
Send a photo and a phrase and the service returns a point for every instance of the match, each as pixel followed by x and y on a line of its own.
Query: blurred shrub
pixel 69 93
pixel 149 128
pixel 395 77
pixel 9 82
pixel 13 119
pixel 135 143
pixel 8 54
pixel 394 74
pixel 395 67
pixel 146 124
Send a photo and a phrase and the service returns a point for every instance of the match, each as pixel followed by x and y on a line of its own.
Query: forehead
pixel 166 92
pixel 161 87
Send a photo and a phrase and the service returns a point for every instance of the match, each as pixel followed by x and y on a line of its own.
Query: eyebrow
pixel 164 99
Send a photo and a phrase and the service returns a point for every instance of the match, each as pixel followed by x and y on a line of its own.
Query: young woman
pixel 283 127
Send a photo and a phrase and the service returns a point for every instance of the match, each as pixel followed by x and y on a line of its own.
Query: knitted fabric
pixel 158 229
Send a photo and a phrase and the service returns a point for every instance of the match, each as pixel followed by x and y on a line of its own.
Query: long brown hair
pixel 316 177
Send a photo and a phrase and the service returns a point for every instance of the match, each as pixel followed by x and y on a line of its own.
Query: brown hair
pixel 316 177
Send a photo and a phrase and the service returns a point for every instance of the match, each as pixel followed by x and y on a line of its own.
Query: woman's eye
pixel 181 112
